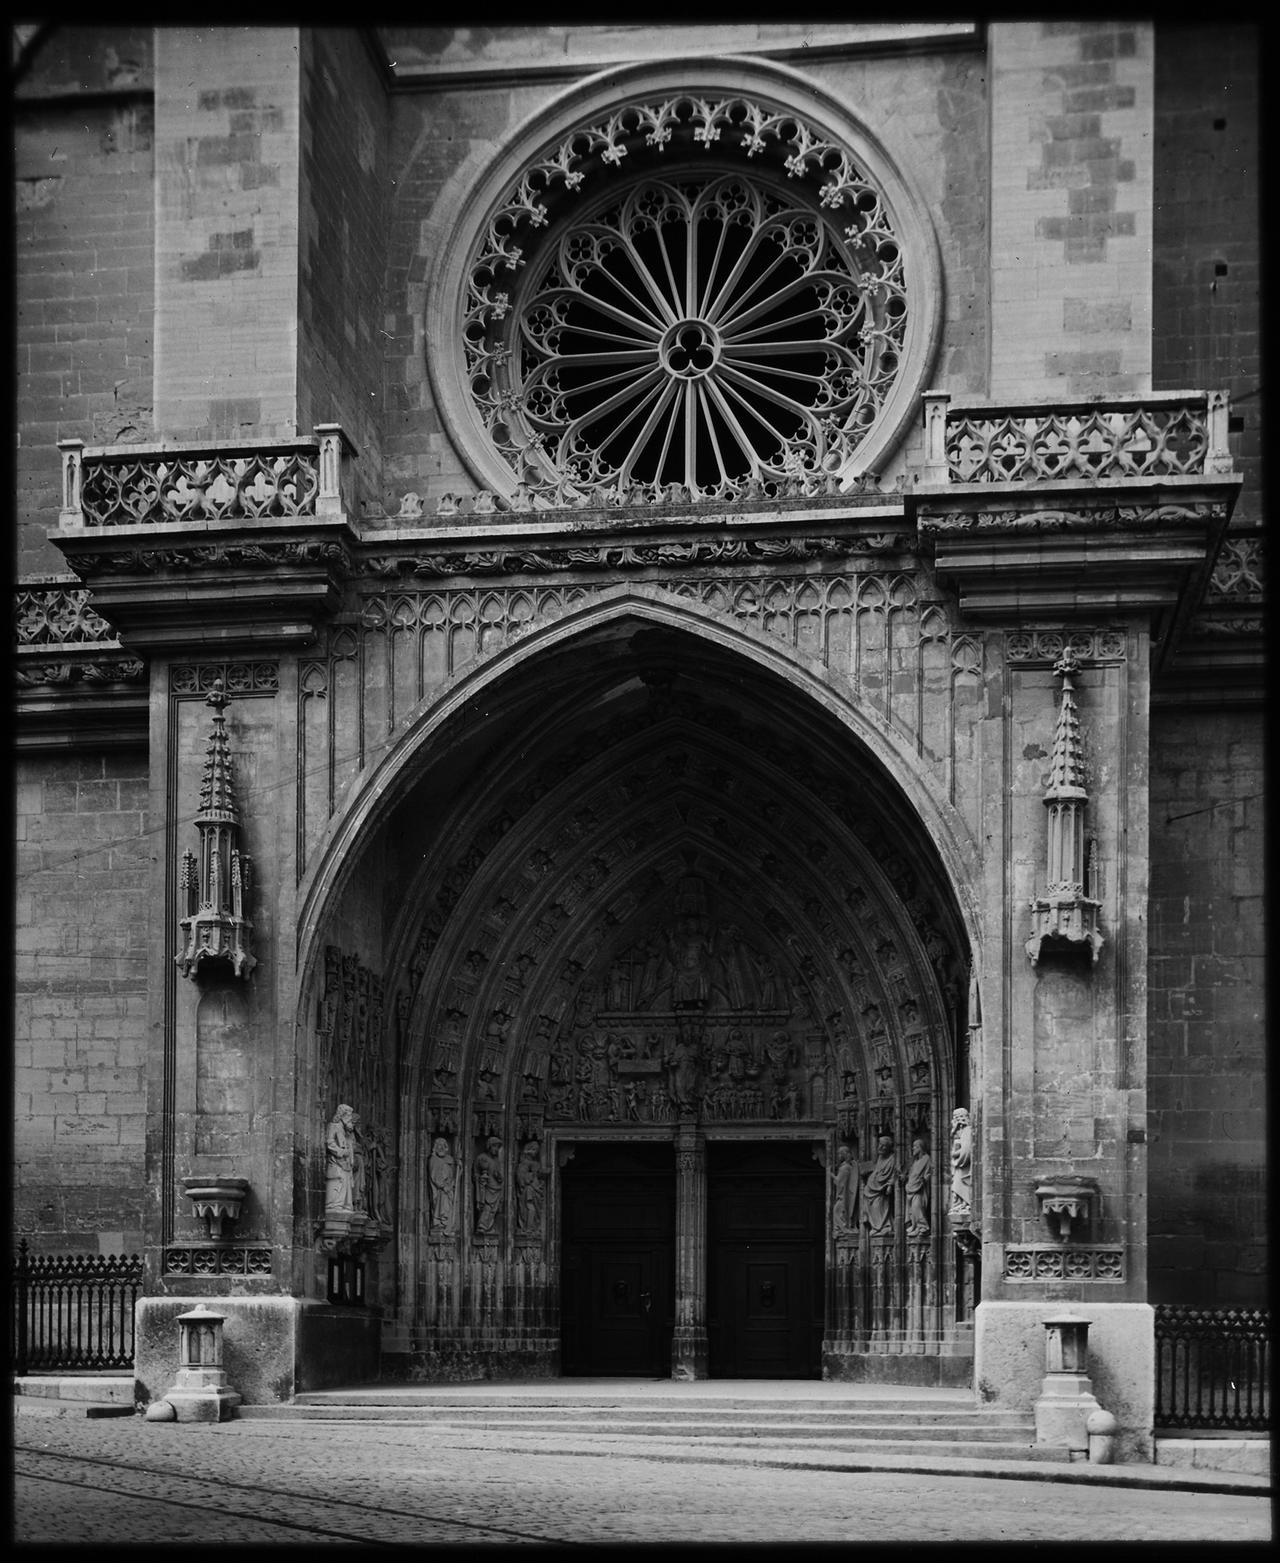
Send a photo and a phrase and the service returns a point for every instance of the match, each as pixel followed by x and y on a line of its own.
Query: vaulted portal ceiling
pixel 643 843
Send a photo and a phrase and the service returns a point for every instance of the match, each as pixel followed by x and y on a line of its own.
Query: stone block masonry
pixel 84 212
pixel 1206 1079
pixel 80 1002
pixel 1071 162
pixel 1207 261
pixel 226 241
pixel 343 260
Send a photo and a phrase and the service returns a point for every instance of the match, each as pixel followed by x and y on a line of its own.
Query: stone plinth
pixel 273 1347
pixel 1009 1362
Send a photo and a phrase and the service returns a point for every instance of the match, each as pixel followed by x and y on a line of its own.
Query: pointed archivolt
pixel 215 885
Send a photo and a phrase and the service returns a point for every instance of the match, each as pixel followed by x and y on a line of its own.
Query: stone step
pixel 98 1388
pixel 691 1422
pixel 1006 1427
pixel 516 1409
pixel 45 1405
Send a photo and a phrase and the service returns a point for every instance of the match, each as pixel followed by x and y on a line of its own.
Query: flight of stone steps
pixel 946 1424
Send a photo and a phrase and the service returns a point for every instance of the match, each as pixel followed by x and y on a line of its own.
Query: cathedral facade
pixel 639 694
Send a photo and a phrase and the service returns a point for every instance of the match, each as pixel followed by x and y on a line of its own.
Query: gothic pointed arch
pixel 631 883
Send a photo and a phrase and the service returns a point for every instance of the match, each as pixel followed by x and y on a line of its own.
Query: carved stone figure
pixel 737 1055
pixel 961 1210
pixel 844 1209
pixel 442 1184
pixel 877 1191
pixel 530 1190
pixel 690 956
pixel 339 1160
pixel 359 1165
pixel 917 1189
pixel 684 1061
pixel 378 1170
pixel 487 1173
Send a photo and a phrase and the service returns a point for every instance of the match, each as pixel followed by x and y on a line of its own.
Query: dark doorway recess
pixel 764 1261
pixel 617 1298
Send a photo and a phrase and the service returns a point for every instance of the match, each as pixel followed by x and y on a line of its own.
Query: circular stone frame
pixel 477 196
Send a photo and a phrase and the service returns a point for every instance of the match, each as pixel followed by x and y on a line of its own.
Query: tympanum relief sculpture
pixel 693 1020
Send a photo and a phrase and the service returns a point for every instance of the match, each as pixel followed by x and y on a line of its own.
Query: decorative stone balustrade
pixel 152 485
pixel 55 613
pixel 1159 435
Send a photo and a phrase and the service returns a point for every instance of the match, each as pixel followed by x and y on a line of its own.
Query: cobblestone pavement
pixel 128 1481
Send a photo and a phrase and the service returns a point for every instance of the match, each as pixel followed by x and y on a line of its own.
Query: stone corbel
pixel 1068 1204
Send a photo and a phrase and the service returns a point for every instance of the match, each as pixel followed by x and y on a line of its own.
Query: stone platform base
pixel 453 1363
pixel 1243 1456
pixel 868 1367
pixel 273 1348
pixel 1009 1362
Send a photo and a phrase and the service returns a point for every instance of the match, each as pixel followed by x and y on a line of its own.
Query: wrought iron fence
pixel 1212 1368
pixel 73 1311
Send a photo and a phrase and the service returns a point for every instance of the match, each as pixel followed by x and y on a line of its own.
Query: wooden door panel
pixel 617 1296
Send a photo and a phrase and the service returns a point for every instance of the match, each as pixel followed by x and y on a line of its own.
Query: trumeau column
pixel 689 1343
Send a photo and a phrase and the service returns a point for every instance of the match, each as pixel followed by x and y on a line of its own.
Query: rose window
pixel 699 331
pixel 703 291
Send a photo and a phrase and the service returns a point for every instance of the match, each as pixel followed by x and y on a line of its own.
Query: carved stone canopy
pixel 1066 917
pixel 217 1200
pixel 215 885
pixel 1067 1204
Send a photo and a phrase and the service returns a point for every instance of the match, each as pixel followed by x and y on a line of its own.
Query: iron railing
pixel 73 1311
pixel 1212 1368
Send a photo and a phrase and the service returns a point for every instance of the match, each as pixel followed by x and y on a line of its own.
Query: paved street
pixel 130 1481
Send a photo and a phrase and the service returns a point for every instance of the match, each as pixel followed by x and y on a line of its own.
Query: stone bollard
pixel 1066 1400
pixel 200 1393
pixel 1101 1428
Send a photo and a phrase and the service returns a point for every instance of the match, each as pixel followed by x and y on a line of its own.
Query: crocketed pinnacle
pixel 1066 771
pixel 217 788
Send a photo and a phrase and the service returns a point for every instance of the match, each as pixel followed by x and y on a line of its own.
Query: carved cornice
pixel 41 671
pixel 204 555
pixel 620 555
pixel 76 684
pixel 181 587
pixel 1072 548
pixel 1094 518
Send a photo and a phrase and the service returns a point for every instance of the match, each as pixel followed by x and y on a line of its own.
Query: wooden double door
pixel 763 1285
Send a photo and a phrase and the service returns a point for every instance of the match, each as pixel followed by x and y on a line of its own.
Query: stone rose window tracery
pixel 707 291
pixel 699 330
